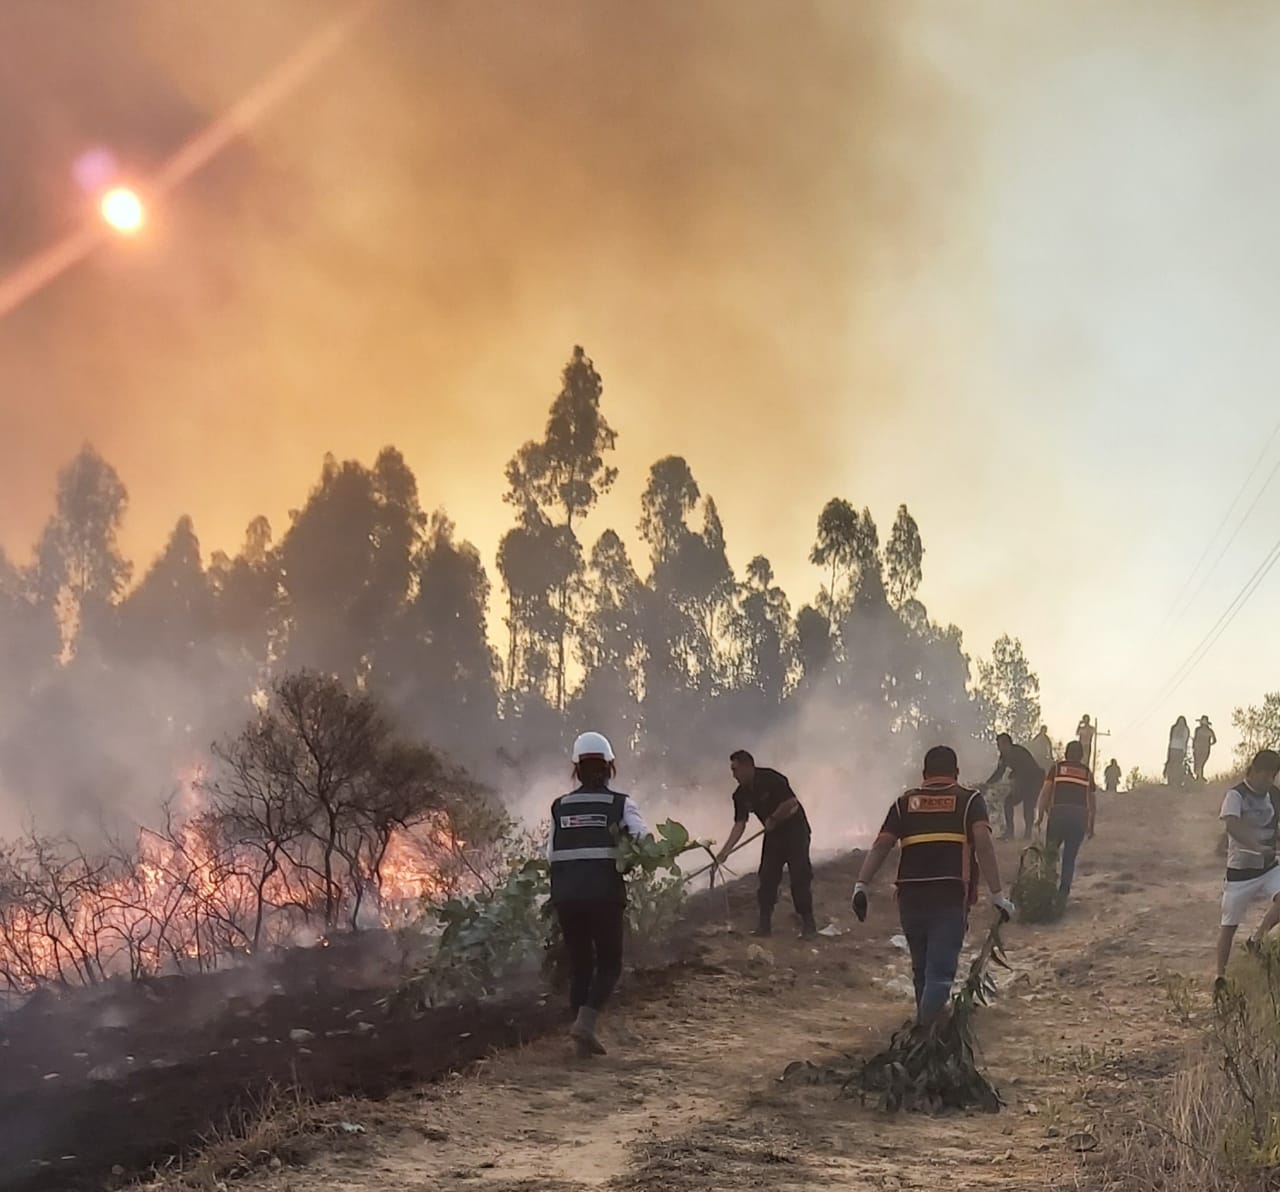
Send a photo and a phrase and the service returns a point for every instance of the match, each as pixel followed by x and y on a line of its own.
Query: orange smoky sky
pixel 891 251
pixel 406 250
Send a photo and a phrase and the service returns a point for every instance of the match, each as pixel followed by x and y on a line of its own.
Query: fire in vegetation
pixel 314 820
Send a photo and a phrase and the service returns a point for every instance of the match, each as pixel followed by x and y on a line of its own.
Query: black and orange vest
pixel 1070 783
pixel 935 841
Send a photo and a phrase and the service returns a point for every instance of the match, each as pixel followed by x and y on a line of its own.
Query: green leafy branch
pixel 927 1068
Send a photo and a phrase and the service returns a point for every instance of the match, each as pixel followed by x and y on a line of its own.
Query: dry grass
pixel 281 1128
pixel 1215 1127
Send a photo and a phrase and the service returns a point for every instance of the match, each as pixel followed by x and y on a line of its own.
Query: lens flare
pixel 123 210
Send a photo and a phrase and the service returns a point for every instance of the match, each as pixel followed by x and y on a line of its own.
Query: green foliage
pixel 486 938
pixel 1035 891
pixel 904 557
pixel 933 1067
pixel 499 933
pixel 655 886
pixel 1259 727
pixel 1011 689
pixel 927 1068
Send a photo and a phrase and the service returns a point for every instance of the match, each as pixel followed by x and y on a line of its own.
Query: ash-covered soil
pixel 1081 1039
pixel 102 1084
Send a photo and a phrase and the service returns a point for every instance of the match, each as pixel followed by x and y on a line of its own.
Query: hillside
pixel 1080 1043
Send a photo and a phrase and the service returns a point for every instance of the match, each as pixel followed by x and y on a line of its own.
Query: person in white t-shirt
pixel 1175 766
pixel 1249 816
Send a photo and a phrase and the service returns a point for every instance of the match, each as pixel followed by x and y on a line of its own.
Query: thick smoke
pixel 704 194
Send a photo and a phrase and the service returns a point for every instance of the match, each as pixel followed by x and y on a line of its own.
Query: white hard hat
pixel 592 745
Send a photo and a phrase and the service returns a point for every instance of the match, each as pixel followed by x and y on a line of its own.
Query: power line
pixel 1208 575
pixel 1175 612
pixel 1210 639
pixel 1271 561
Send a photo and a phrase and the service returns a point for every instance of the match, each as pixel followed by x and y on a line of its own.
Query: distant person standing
pixel 1112 776
pixel 1041 747
pixel 1084 734
pixel 587 891
pixel 1175 766
pixel 768 795
pixel 1201 745
pixel 1027 776
pixel 1067 802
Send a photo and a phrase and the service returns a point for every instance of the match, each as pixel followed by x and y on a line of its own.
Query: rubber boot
pixel 808 929
pixel 583 1033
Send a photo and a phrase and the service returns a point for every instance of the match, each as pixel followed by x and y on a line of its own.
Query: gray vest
pixel 584 851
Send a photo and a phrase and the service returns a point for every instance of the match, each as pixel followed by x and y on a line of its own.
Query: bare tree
pixel 313 791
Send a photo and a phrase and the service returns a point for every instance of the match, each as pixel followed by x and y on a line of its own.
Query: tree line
pixel 113 682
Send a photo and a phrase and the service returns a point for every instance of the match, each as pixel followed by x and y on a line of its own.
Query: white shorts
pixel 1238 897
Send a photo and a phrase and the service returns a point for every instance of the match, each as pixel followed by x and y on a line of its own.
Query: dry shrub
pixel 1218 1127
pixel 281 1127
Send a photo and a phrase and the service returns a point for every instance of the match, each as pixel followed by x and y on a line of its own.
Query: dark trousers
pixel 1067 828
pixel 1026 797
pixel 935 934
pixel 787 846
pixel 593 940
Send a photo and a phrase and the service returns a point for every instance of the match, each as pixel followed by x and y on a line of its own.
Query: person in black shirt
pixel 1202 742
pixel 944 836
pixel 1112 775
pixel 786 839
pixel 1027 777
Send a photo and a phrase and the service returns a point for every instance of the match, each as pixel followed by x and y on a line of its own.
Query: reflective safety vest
pixel 934 835
pixel 584 850
pixel 1069 785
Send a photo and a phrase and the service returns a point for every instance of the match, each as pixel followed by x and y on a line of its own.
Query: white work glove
pixel 1004 906
pixel 860 901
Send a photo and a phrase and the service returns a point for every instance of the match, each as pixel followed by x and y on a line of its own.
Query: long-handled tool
pixel 716 864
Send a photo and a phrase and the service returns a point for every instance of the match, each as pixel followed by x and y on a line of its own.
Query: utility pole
pixel 1097 732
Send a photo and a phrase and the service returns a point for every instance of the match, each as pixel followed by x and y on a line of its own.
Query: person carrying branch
pixel 1068 802
pixel 1253 874
pixel 944 836
pixel 587 891
pixel 786 840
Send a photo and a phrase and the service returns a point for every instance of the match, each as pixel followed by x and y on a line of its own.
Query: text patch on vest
pixel 592 820
pixel 942 803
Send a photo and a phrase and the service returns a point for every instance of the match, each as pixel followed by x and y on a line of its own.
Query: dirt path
pixel 689 1097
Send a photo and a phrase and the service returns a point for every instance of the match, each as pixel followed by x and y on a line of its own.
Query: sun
pixel 122 209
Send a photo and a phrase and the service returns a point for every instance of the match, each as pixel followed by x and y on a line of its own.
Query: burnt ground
pixel 100 1085
pixel 1081 1041
pixel 1100 1012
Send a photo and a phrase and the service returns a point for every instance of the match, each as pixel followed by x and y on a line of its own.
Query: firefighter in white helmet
pixel 588 892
